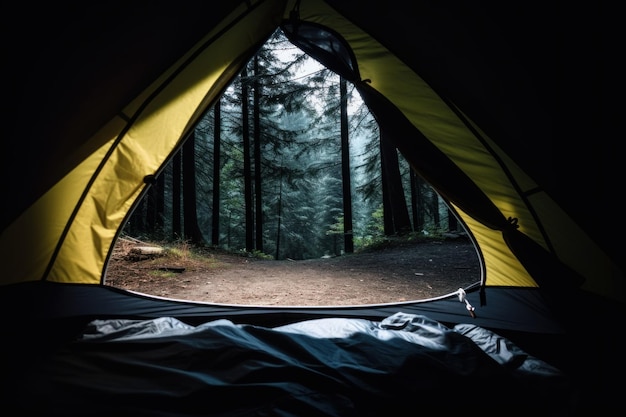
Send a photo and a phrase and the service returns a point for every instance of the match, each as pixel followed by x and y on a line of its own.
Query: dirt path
pixel 408 271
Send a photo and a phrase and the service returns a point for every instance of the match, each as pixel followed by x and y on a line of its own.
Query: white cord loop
pixel 461 293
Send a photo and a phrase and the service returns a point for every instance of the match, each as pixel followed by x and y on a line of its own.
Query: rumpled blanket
pixel 324 367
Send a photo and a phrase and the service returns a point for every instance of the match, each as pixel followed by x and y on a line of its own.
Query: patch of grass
pixel 183 253
pixel 260 255
pixel 162 274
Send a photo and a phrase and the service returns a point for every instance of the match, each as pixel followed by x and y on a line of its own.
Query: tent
pixel 499 107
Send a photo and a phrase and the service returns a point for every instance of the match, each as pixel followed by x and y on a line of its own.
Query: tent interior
pixel 500 107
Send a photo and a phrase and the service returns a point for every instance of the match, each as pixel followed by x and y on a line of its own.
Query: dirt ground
pixel 401 271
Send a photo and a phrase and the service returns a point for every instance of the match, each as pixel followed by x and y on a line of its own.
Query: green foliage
pixel 337 227
pixel 433 232
pixel 374 231
pixel 252 254
pixel 162 274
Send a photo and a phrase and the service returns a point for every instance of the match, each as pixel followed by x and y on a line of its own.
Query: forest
pixel 289 163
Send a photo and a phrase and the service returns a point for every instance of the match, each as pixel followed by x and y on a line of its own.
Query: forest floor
pixel 400 270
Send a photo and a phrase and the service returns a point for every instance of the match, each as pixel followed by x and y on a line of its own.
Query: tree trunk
pixel 388 228
pixel 414 199
pixel 151 210
pixel 345 169
pixel 435 210
pixel 159 205
pixel 453 222
pixel 421 203
pixel 138 218
pixel 395 192
pixel 247 173
pixel 280 213
pixel 176 196
pixel 192 231
pixel 257 159
pixel 217 140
